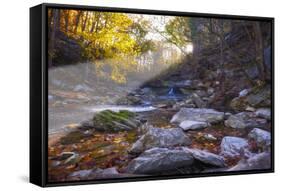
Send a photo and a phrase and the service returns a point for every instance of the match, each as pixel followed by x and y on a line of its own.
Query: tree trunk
pixel 56 24
pixel 85 21
pixel 66 15
pixel 259 50
pixel 77 21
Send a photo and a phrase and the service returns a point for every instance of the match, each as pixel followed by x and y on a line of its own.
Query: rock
pixel 249 108
pixel 227 115
pixel 233 146
pixel 198 101
pixel 69 157
pixel 111 121
pixel 163 160
pixel 244 120
pixel 238 104
pixel 261 161
pixel 244 92
pixel 180 104
pixel 157 137
pixel 207 157
pixel 209 137
pixel 146 90
pixel 129 100
pixel 87 124
pixel 81 173
pixel 259 96
pixel 159 160
pixel 201 93
pixel 211 91
pixel 95 174
pixel 264 113
pixel 111 170
pixel 65 155
pixel 198 114
pixel 192 125
pixel 261 137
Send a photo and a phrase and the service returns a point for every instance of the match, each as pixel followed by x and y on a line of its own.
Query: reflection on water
pixel 75 113
pixel 118 108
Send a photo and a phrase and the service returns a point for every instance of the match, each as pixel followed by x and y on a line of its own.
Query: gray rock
pixel 211 91
pixel 157 137
pixel 258 161
pixel 95 174
pixel 201 93
pixel 87 124
pixel 65 155
pixel 209 137
pixel 69 157
pixel 198 101
pixel 233 146
pixel 257 97
pixel 198 114
pixel 244 120
pixel 261 137
pixel 264 113
pixel 244 92
pixel 161 160
pixel 81 173
pixel 207 157
pixel 192 125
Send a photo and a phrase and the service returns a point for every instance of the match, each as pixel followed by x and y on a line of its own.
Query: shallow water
pixel 118 108
pixel 59 117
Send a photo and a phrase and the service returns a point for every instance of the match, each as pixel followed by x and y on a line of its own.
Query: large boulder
pixel 164 160
pixel 198 114
pixel 257 97
pixel 157 137
pixel 259 161
pixel 233 146
pixel 244 120
pixel 192 125
pixel 261 137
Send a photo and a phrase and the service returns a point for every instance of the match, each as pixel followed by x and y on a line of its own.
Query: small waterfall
pixel 171 92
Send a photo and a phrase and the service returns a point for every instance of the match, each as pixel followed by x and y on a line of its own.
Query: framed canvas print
pixel 122 95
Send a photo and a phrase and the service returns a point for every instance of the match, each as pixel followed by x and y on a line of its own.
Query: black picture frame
pixel 39 93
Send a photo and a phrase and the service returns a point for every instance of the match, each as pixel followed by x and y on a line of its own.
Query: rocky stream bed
pixel 159 131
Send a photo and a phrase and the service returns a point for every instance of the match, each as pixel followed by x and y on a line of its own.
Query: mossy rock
pixel 111 121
